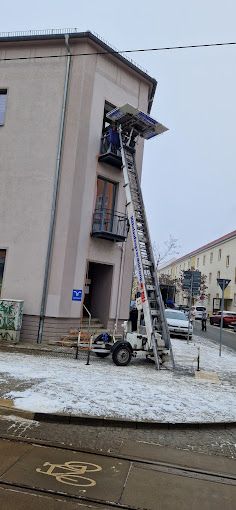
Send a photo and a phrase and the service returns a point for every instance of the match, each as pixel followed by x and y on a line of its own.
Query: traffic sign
pixel 223 282
pixel 77 295
pixel 192 280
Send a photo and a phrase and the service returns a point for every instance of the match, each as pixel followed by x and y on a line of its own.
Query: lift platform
pixel 132 123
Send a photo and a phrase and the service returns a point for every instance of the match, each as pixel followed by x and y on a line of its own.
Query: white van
pixel 196 311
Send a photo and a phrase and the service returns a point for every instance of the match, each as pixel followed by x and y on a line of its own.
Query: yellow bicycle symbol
pixel 71 472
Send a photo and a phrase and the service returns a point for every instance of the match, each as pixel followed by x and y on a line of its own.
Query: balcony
pixel 111 225
pixel 109 154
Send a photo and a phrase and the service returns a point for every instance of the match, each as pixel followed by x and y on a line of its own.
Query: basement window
pixel 3 105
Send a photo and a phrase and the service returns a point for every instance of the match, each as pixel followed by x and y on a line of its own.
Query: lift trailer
pixel 132 124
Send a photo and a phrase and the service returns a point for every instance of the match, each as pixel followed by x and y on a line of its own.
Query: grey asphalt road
pixel 213 333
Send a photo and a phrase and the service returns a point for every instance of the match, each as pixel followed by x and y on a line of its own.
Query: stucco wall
pixel 28 143
pixel 94 80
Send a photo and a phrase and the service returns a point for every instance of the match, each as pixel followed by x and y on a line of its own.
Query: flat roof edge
pixel 85 35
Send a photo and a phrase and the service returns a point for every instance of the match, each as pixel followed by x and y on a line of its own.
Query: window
pixel 2 264
pixel 106 194
pixel 235 275
pixel 106 122
pixel 227 261
pixel 3 105
pixel 218 274
pixel 234 299
pixel 219 254
pixel 198 262
pixel 105 219
pixel 208 299
pixel 217 295
pixel 210 276
pixel 204 259
pixel 211 257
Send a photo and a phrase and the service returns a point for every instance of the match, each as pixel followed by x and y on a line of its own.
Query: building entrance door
pixel 98 296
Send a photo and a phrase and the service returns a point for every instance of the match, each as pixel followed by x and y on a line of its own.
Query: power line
pixel 117 52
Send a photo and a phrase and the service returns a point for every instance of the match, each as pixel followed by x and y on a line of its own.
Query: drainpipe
pixel 55 193
pixel 122 259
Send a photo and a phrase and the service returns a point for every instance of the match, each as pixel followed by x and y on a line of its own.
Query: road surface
pixel 213 333
pixel 59 478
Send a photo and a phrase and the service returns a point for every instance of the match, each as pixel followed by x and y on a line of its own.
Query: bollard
pixel 198 360
pixel 77 346
pixel 89 349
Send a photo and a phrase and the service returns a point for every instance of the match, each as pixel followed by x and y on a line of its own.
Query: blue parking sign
pixel 77 295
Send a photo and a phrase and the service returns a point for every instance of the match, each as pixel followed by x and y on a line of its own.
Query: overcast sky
pixel 189 178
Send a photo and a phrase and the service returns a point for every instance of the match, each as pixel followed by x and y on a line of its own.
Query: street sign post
pixel 223 283
pixel 192 283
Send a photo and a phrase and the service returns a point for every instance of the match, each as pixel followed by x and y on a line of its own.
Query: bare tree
pixel 170 248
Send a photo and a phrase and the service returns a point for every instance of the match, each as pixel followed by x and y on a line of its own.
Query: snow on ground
pixel 209 355
pixel 136 392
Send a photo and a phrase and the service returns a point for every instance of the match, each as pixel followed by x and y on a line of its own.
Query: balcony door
pixel 105 203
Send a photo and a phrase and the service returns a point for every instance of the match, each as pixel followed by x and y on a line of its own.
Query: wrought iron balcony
pixel 111 225
pixel 109 153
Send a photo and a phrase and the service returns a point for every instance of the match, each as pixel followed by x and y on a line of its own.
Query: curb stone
pixel 95 421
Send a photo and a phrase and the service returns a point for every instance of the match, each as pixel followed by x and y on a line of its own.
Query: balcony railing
pixel 109 153
pixel 111 225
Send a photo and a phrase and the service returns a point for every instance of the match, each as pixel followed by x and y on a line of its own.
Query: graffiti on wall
pixel 11 313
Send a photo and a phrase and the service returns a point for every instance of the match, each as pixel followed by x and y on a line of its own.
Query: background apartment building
pixel 62 204
pixel 215 260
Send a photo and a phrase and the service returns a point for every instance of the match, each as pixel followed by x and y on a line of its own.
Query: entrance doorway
pixel 98 295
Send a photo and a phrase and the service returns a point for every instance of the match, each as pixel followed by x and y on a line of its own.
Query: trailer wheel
pixel 102 354
pixel 121 356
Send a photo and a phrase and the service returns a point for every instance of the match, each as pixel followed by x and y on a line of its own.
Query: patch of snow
pixel 19 420
pixel 209 355
pixel 136 392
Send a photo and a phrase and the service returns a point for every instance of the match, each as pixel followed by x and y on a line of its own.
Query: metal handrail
pixel 106 147
pixel 113 212
pixel 89 314
pixel 112 222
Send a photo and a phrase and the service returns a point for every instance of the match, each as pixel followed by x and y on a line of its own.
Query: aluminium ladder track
pixel 153 307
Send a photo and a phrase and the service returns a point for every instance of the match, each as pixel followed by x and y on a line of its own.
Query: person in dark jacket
pixel 113 138
pixel 204 320
pixel 133 317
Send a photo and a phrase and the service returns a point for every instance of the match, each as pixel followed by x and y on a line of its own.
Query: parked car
pixel 196 311
pixel 229 319
pixel 178 323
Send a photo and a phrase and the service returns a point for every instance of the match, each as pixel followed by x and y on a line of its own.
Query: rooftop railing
pixel 60 31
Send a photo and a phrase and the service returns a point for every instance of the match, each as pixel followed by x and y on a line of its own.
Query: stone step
pixel 85 320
